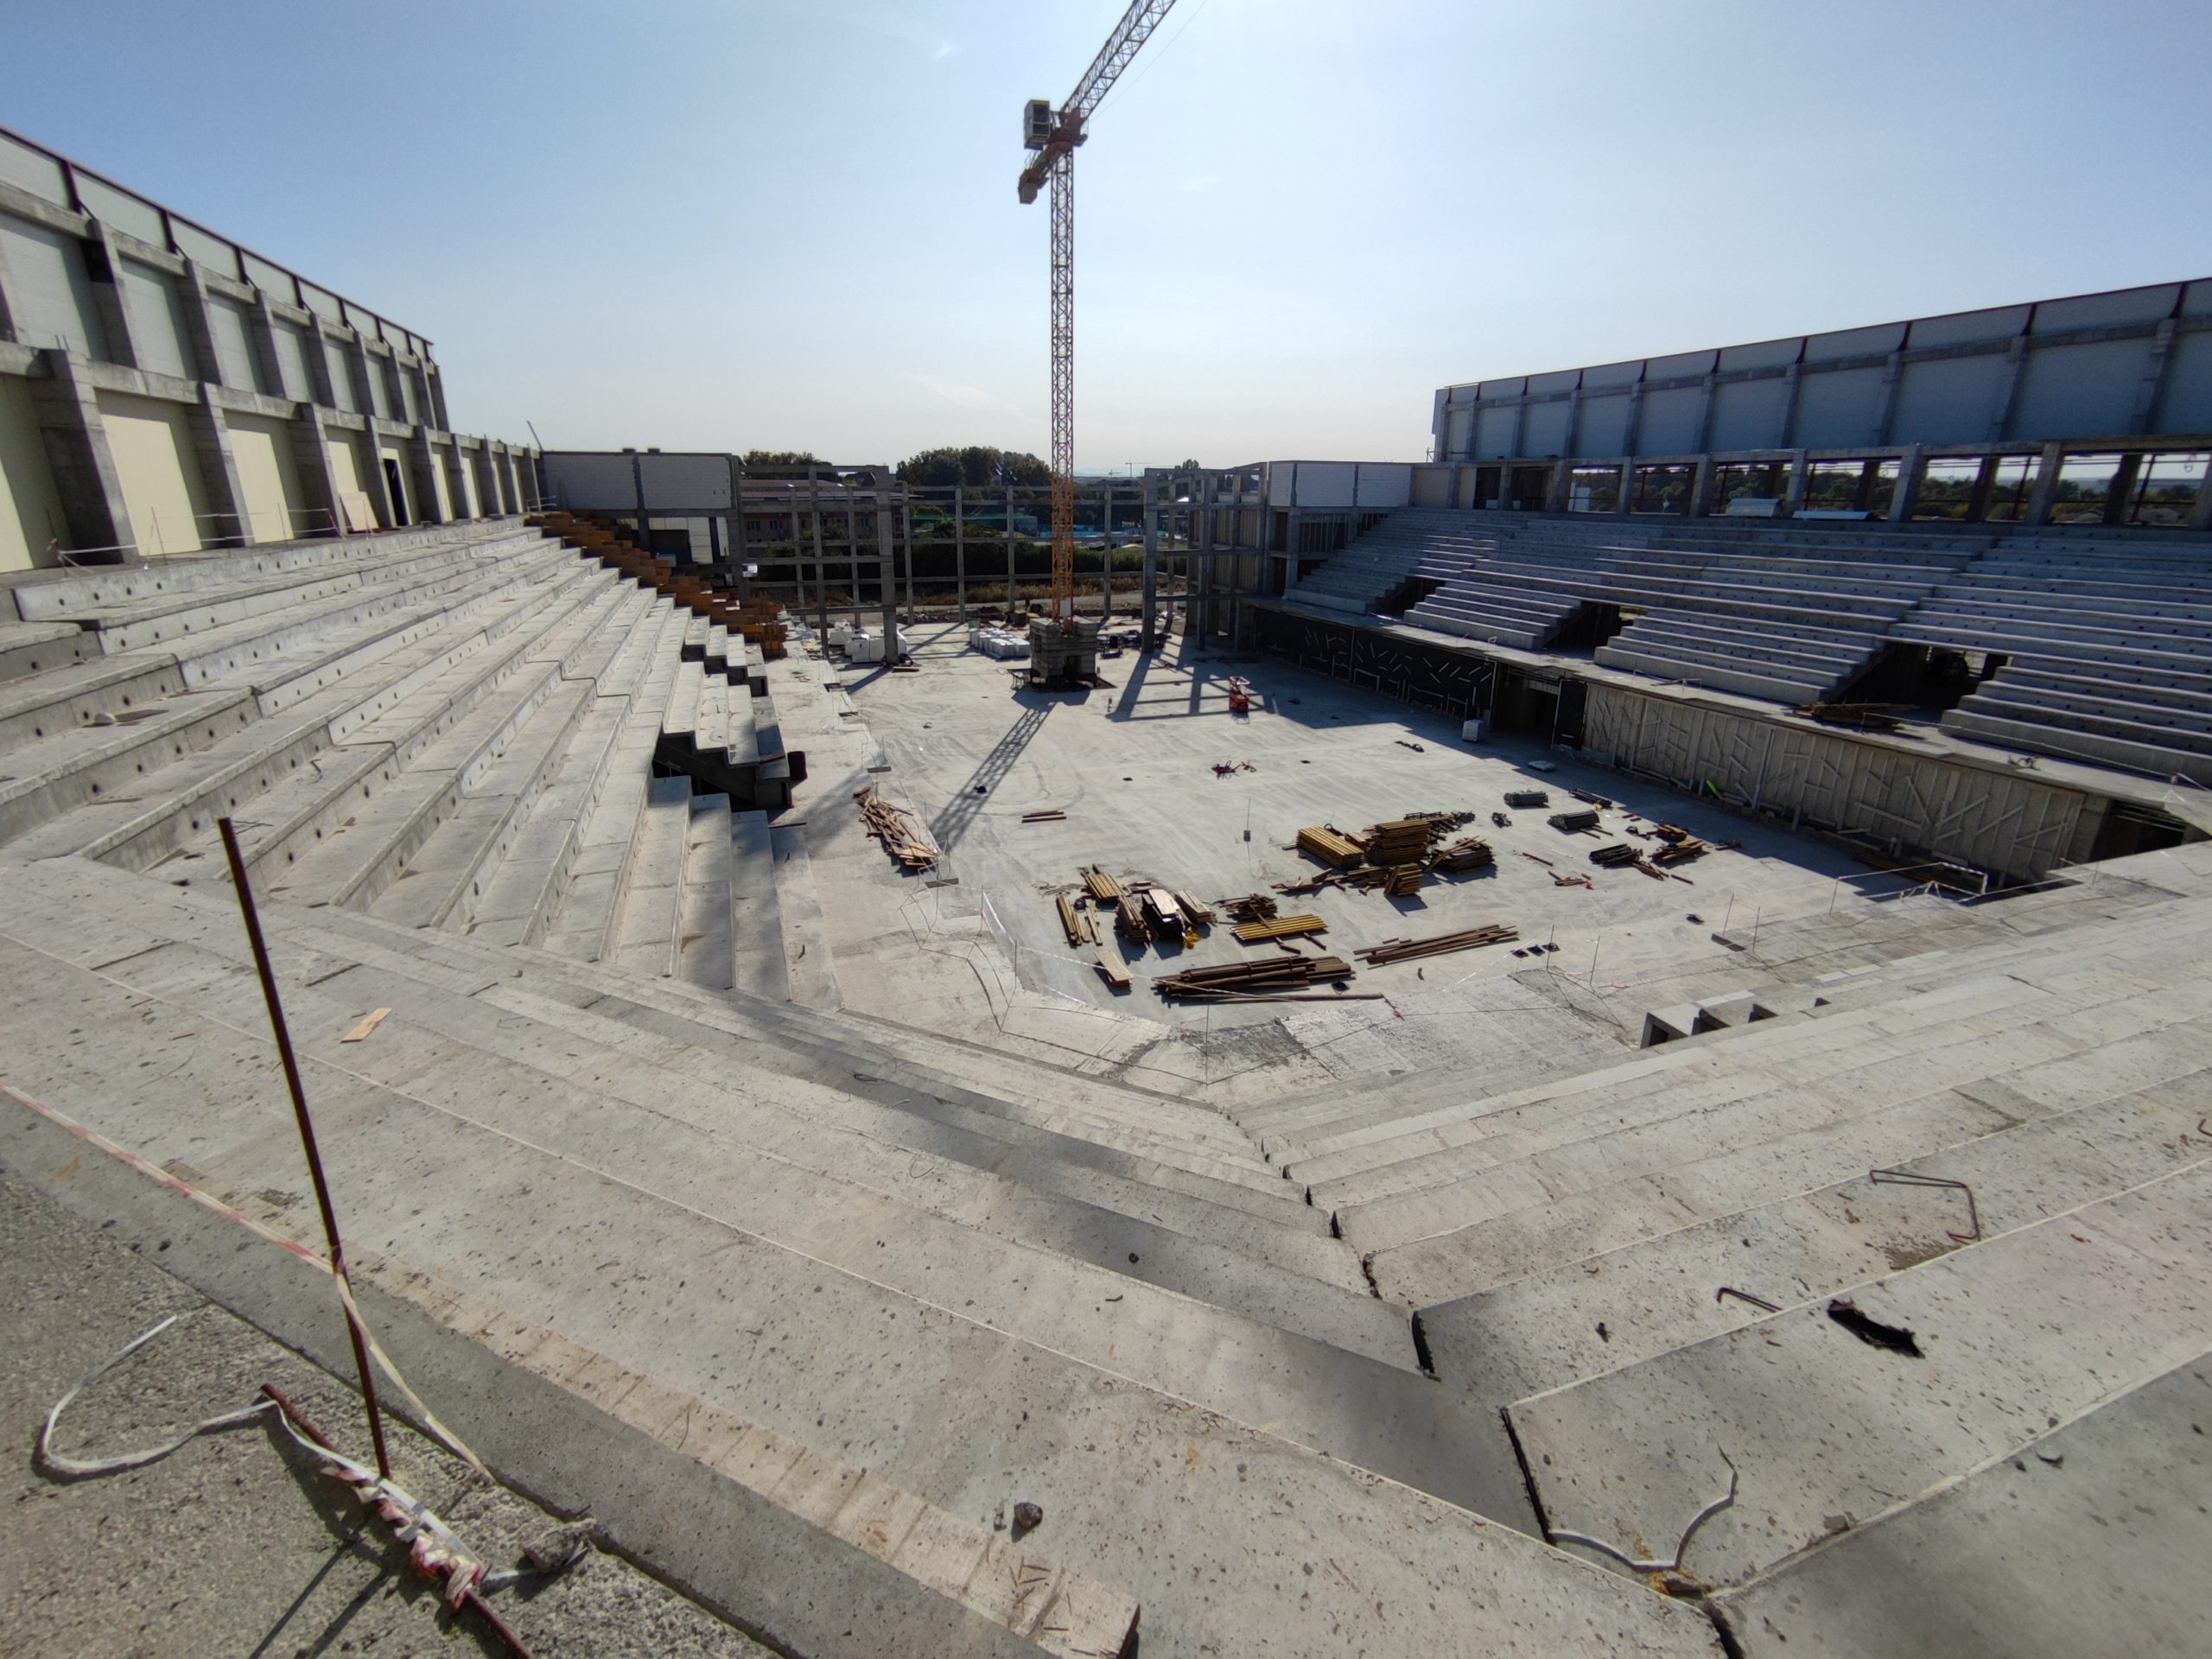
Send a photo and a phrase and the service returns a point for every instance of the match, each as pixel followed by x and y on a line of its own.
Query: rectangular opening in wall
pixel 2012 482
pixel 1946 488
pixel 2084 490
pixel 1593 489
pixel 1664 488
pixel 2167 487
pixel 1852 489
pixel 1758 484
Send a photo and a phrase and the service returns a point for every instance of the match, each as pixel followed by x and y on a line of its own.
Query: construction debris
pixel 1546 862
pixel 1261 977
pixel 1391 950
pixel 1680 846
pixel 1859 716
pixel 1229 768
pixel 1050 814
pixel 1463 856
pixel 900 830
pixel 1249 908
pixel 1278 927
pixel 1501 820
pixel 1559 880
pixel 1330 846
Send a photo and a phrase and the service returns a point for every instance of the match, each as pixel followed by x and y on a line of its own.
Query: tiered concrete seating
pixel 2107 639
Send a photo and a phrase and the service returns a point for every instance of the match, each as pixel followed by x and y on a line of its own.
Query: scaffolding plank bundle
pixel 1196 914
pixel 1527 798
pixel 1264 976
pixel 1400 840
pixel 1572 822
pixel 1462 857
pixel 900 830
pixel 1472 938
pixel 1279 927
pixel 1249 908
pixel 1080 929
pixel 1103 888
pixel 1339 851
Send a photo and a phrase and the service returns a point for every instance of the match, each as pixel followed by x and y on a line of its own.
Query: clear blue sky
pixel 792 223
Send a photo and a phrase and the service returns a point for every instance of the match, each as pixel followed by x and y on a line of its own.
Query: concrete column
pixel 10 306
pixel 821 570
pixel 1793 498
pixel 733 531
pixel 423 473
pixel 1556 489
pixel 2008 406
pixel 1892 384
pixel 193 292
pixel 311 460
pixel 1149 596
pixel 261 332
pixel 960 550
pixel 1009 550
pixel 77 454
pixel 219 472
pixel 371 467
pixel 2122 487
pixel 906 523
pixel 887 587
pixel 1984 485
pixel 435 383
pixel 2200 514
pixel 1703 482
pixel 104 263
pixel 1787 437
pixel 457 465
pixel 2153 383
pixel 1624 506
pixel 316 350
pixel 1912 469
pixel 2044 492
pixel 368 379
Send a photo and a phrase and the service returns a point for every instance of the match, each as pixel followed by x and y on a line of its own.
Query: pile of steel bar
pixel 1079 927
pixel 1249 908
pixel 1376 955
pixel 1572 822
pixel 1279 927
pixel 1462 857
pixel 1050 814
pixel 1527 798
pixel 1340 852
pixel 1612 857
pixel 1262 976
pixel 1103 888
pixel 900 830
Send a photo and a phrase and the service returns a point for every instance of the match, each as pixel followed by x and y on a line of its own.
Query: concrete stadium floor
pixel 970 750
pixel 235 1544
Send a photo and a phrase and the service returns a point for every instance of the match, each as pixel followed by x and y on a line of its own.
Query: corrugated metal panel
pixel 1761 354
pixel 226 321
pixel 2114 311
pixel 157 331
pixel 1876 341
pixel 1494 430
pixel 2081 391
pixel 1605 426
pixel 1512 388
pixel 1680 365
pixel 1613 374
pixel 52 290
pixel 1839 407
pixel 1670 421
pixel 1542 385
pixel 1954 400
pixel 158 468
pixel 2187 404
pixel 292 346
pixel 261 450
pixel 1964 328
pixel 1749 413
pixel 1543 427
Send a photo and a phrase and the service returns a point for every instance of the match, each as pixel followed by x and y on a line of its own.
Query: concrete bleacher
pixel 1286 1375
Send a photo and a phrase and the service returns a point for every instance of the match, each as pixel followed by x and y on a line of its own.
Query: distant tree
pixel 976 466
pixel 1191 467
pixel 757 458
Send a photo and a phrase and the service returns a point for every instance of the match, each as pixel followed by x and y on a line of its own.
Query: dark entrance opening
pixel 399 494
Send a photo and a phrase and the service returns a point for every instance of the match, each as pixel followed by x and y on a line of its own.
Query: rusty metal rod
pixel 307 1129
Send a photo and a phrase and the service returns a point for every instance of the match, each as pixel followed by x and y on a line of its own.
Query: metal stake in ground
pixel 307 1127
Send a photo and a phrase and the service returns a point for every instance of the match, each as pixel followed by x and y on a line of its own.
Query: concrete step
pixel 759 965
pixel 28 648
pixel 810 967
pixel 2039 737
pixel 523 891
pixel 642 937
pixel 703 931
pixel 2070 1314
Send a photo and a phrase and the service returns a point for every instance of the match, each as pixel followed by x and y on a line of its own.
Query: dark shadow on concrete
pixel 958 814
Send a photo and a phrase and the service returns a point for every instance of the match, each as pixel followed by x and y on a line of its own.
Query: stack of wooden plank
pixel 900 830
pixel 1680 848
pixel 1249 908
pixel 1279 927
pixel 1128 917
pixel 1196 914
pixel 1339 851
pixel 1263 976
pixel 1163 916
pixel 1399 881
pixel 1398 840
pixel 1103 888
pixel 1462 857
pixel 1079 927
pixel 1389 951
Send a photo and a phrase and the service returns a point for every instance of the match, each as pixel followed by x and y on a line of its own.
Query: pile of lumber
pixel 900 830
pixel 1399 881
pixel 1265 977
pixel 1339 851
pixel 1077 924
pixel 1304 885
pixel 1376 955
pixel 1128 917
pixel 1613 857
pixel 1572 822
pixel 1102 888
pixel 1196 914
pixel 1463 855
pixel 1278 927
pixel 1527 798
pixel 1680 848
pixel 1399 841
pixel 1163 916
pixel 1249 908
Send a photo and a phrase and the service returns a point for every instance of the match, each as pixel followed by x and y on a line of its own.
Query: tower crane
pixel 1051 135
